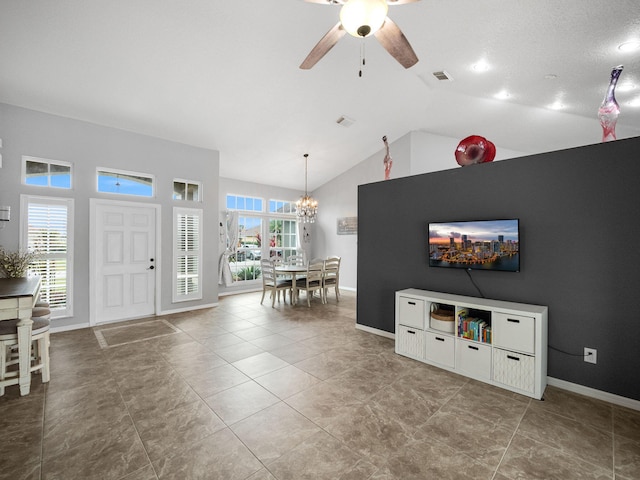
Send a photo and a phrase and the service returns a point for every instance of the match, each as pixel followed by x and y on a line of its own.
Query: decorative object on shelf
pixel 16 264
pixel 306 206
pixel 347 226
pixel 475 149
pixel 363 18
pixel 441 319
pixel 388 163
pixel 609 109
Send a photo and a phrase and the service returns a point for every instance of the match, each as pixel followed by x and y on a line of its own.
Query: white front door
pixel 124 263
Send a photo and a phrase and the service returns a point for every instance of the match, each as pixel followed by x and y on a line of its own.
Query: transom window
pixel 46 173
pixel 187 190
pixel 282 206
pixel 121 182
pixel 249 204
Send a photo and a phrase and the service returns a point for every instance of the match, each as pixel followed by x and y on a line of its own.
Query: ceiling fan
pixel 362 18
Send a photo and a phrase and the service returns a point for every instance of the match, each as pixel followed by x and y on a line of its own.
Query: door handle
pixel 151 267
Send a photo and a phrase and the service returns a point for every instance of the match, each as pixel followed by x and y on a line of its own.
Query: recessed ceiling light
pixel 556 106
pixel 503 95
pixel 629 46
pixel 481 66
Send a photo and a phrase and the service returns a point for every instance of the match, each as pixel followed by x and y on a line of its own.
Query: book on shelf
pixel 474 329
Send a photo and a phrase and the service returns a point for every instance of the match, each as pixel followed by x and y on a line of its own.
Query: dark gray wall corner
pixel 579 232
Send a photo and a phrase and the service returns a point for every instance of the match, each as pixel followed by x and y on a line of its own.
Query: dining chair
pixel 312 281
pixel 9 355
pixel 297 260
pixel 331 277
pixel 271 283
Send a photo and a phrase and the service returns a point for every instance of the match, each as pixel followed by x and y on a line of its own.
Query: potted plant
pixel 16 264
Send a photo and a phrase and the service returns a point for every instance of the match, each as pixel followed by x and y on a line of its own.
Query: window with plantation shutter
pixel 48 229
pixel 187 254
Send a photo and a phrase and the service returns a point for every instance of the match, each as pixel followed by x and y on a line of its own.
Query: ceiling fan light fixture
pixel 361 18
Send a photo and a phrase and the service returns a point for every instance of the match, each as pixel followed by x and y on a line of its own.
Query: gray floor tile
pixel 249 392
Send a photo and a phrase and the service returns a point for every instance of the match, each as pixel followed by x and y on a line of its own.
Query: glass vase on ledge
pixel 609 109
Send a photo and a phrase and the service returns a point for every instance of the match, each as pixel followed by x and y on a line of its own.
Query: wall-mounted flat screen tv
pixel 479 245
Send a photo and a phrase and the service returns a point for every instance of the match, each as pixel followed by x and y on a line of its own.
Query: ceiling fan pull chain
pixel 362 60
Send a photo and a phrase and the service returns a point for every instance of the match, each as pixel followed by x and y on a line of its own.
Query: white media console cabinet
pixel 500 343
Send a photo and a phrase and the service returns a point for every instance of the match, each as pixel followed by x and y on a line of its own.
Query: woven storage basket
pixel 443 320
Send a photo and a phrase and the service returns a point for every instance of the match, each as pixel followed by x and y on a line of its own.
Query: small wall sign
pixel 347 226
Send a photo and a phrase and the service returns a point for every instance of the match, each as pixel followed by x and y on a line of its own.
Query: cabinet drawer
pixel 440 349
pixel 411 312
pixel 514 369
pixel 514 332
pixel 474 359
pixel 410 342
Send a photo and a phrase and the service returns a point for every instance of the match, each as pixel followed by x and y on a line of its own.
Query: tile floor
pixel 244 391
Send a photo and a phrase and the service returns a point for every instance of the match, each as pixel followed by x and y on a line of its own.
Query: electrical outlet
pixel 590 355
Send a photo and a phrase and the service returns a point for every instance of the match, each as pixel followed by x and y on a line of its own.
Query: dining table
pixel 291 270
pixel 17 298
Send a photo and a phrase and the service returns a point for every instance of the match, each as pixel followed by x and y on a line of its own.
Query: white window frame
pixel 292 207
pixel 179 253
pixel 47 162
pixel 246 197
pixel 25 201
pixel 240 252
pixel 126 172
pixel 266 216
pixel 186 188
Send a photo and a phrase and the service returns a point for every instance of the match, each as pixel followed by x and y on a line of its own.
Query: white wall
pixel 432 153
pixel 415 153
pixel 87 146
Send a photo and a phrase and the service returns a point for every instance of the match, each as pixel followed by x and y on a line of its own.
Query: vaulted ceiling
pixel 224 75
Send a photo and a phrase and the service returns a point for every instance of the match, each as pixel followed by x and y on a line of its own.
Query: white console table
pixel 500 343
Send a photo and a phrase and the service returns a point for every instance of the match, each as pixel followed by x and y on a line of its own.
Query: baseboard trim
pixel 593 393
pixel 237 292
pixel 68 328
pixel 375 331
pixel 187 309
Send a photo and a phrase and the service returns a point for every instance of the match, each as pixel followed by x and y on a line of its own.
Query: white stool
pixel 9 354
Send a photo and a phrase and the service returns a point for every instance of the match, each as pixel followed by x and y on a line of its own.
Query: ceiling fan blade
pixel 394 42
pixel 325 44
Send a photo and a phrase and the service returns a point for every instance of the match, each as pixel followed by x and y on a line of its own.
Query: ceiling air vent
pixel 442 75
pixel 345 121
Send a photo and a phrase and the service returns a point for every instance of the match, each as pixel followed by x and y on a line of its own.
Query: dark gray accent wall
pixel 580 250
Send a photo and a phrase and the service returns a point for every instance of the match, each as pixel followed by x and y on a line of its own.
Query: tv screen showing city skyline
pixel 482 245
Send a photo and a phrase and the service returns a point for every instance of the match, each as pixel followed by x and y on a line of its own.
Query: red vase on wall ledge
pixel 475 149
pixel 609 109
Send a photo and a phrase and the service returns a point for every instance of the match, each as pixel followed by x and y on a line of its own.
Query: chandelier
pixel 306 206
